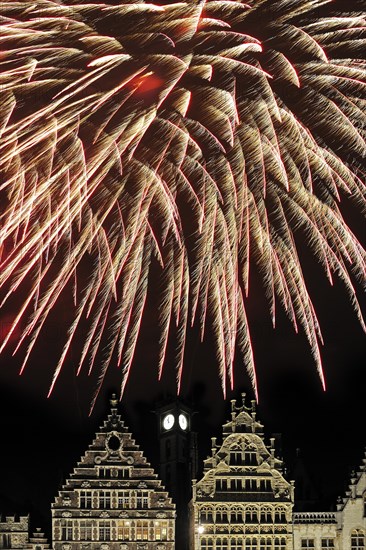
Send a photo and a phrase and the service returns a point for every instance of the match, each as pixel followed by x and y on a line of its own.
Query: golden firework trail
pixel 204 137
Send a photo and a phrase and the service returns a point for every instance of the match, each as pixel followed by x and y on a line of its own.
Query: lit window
pixel 161 530
pixel 357 540
pixel 307 543
pixel 123 530
pixel 142 530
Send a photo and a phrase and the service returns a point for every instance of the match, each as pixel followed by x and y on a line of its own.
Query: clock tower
pixel 177 460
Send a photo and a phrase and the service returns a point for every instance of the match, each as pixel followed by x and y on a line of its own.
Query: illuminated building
pixel 14 531
pixel 242 502
pixel 113 499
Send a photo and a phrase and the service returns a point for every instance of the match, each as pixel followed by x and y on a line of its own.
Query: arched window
pixel 206 543
pixel 266 514
pixel 222 515
pixel 251 544
pixel 357 539
pixel 222 544
pixel 251 514
pixel 279 543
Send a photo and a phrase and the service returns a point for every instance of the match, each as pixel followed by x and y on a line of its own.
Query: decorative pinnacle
pixel 113 400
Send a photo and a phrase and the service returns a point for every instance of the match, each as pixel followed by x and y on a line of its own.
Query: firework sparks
pixel 232 112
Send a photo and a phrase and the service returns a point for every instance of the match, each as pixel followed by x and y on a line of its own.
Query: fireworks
pixel 205 136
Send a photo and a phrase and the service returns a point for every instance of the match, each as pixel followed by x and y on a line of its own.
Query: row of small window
pixel 249 543
pixel 243 484
pixel 249 514
pixel 116 473
pixel 243 458
pixel 357 542
pixel 113 530
pixel 114 499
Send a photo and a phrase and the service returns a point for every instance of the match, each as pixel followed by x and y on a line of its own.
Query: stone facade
pixel 14 532
pixel 113 499
pixel 344 529
pixel 243 501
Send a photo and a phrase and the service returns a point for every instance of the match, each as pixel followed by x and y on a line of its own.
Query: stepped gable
pixel 113 495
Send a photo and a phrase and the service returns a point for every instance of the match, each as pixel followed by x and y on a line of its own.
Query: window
pixel 6 540
pixel 66 529
pixel 251 544
pixel 237 544
pixel 104 499
pixel 85 530
pixel 222 544
pixel 142 530
pixel 357 540
pixel 124 473
pixel 123 530
pixel 207 544
pixel 250 484
pixel 279 543
pixel 250 458
pixel 123 499
pixel 206 515
pixel 265 544
pixel 104 530
pixel 161 530
pixel 327 543
pixel 236 458
pixel 266 515
pixel 222 516
pixel 221 484
pixel 236 484
pixel 236 515
pixel 251 515
pixel 280 515
pixel 307 543
pixel 85 499
pixel 142 499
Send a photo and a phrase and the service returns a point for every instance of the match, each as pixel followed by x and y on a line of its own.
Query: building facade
pixel 344 529
pixel 14 531
pixel 243 501
pixel 113 500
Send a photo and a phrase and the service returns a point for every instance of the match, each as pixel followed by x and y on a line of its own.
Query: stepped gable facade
pixel 113 500
pixel 243 501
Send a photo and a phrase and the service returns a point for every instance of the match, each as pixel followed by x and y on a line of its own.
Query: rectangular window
pixel 86 499
pixel 104 530
pixel 66 529
pixel 105 500
pixel 85 530
pixel 307 543
pixel 161 530
pixel 124 499
pixel 142 530
pixel 280 544
pixel 327 543
pixel 124 530
pixel 357 540
pixel 142 499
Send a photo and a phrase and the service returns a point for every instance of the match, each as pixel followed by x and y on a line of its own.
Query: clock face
pixel 168 421
pixel 183 423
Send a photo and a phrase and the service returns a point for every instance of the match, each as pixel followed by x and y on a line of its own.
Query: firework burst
pixel 207 136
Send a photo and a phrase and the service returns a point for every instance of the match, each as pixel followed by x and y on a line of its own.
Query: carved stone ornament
pixel 142 514
pixel 104 515
pixel 85 484
pixel 161 515
pixel 124 515
pixel 66 514
pixel 66 501
pixel 161 547
pixel 104 546
pixel 66 546
pixel 142 546
pixel 123 547
pixel 142 485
